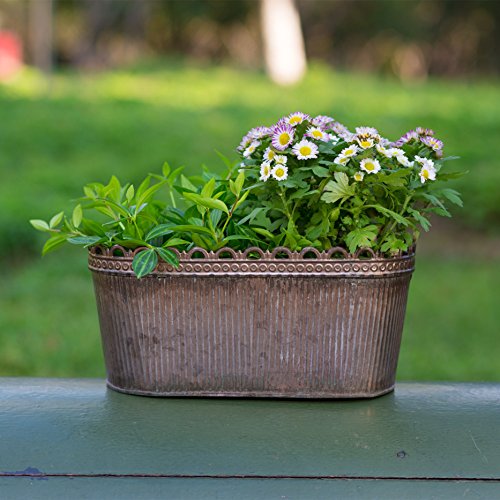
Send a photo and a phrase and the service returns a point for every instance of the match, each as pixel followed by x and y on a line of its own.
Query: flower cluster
pixel 316 183
pixel 277 149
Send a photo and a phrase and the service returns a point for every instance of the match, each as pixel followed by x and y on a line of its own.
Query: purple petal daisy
pixel 282 136
pixel 432 143
pixel 322 121
pixel 424 131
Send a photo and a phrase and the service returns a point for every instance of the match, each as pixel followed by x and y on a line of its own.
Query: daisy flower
pixel 432 142
pixel 381 149
pixel 370 165
pixel 304 150
pixel 404 161
pixel 269 154
pixel 358 176
pixel 342 159
pixel 425 162
pixel 427 173
pixel 369 131
pixel 280 159
pixel 282 136
pixel 424 131
pixel 322 121
pixel 279 172
pixel 365 141
pixel 245 141
pixel 394 152
pixel 297 118
pixel 248 151
pixel 350 151
pixel 259 132
pixel 265 171
pixel 317 133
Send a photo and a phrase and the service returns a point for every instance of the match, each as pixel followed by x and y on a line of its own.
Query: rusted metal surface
pixel 280 324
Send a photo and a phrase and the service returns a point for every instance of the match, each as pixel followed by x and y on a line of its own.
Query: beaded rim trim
pixel 255 261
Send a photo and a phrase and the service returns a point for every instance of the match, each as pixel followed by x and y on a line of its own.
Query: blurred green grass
pixel 79 128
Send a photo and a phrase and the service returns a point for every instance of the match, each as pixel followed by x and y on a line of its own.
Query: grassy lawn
pixel 84 128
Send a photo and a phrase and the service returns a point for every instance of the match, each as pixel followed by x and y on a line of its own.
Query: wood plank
pixel 58 426
pixel 229 489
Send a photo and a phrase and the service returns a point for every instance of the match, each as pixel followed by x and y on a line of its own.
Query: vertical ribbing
pixel 241 335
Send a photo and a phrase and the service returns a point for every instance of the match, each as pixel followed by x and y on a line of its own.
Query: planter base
pixel 252 394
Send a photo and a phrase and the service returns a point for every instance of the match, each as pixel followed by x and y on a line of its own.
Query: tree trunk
pixel 284 51
pixel 40 33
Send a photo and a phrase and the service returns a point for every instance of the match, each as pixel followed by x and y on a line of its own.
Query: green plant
pixel 304 182
pixel 317 184
pixel 116 214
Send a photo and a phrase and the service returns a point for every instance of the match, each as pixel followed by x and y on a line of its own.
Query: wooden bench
pixel 75 439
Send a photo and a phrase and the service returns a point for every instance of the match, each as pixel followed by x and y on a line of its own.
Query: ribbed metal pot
pixel 253 323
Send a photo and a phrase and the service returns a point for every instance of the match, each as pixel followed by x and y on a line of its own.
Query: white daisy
pixel 279 172
pixel 318 134
pixel 404 161
pixel 297 118
pixel 358 176
pixel 365 142
pixel 248 151
pixel 427 173
pixel 305 150
pixel 342 159
pixel 265 171
pixel 350 151
pixel 280 159
pixel 425 162
pixel 269 154
pixel 370 165
pixel 381 149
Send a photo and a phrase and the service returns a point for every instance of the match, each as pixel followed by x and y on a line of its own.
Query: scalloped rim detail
pixel 257 262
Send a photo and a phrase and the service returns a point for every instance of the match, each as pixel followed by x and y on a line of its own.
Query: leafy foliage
pixel 330 188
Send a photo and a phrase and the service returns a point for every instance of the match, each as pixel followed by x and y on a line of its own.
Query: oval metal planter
pixel 253 323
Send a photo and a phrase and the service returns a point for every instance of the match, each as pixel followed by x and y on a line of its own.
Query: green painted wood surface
pixel 420 439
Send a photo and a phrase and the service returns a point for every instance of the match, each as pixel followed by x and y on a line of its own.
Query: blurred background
pixel 90 88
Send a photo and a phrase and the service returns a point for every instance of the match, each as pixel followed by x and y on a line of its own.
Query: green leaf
pixel 208 188
pixel 174 242
pixel 40 225
pixel 396 179
pixel 166 169
pixel 89 192
pixel 238 183
pixel 147 194
pixel 452 195
pixel 242 199
pixel 145 262
pixel 321 171
pixel 189 228
pixel 53 243
pixel 86 241
pixel 207 202
pixel 361 237
pixel 338 189
pixel 158 231
pixel 385 211
pixel 130 193
pixel 187 184
pixel 420 219
pixel 263 232
pixel 251 216
pixel 77 215
pixel 168 256
pixel 56 220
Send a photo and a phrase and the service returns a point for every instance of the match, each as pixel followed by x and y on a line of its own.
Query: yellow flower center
pixel 349 152
pixel 317 134
pixel 305 150
pixel 279 172
pixel 369 166
pixel 365 143
pixel 271 154
pixel 425 174
pixel 266 170
pixel 295 119
pixel 284 138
